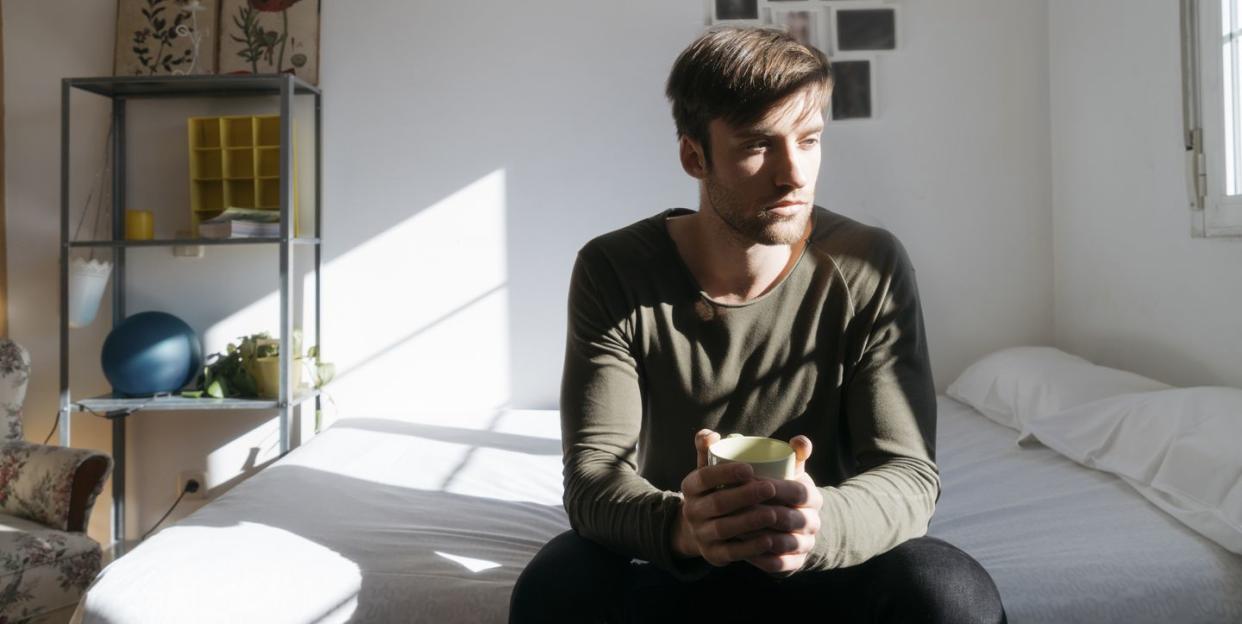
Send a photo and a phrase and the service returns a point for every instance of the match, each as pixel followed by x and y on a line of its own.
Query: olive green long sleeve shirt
pixel 836 351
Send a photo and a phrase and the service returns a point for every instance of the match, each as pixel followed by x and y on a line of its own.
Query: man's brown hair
pixel 737 75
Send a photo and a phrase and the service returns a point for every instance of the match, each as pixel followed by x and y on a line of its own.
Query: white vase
pixel 87 280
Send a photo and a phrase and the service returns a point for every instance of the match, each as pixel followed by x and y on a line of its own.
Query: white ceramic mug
pixel 770 458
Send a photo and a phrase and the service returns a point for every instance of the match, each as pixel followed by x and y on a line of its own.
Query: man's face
pixel 761 181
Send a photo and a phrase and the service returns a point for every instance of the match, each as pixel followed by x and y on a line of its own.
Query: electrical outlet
pixel 186 475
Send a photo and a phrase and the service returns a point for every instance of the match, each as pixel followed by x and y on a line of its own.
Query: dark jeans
pixel 573 579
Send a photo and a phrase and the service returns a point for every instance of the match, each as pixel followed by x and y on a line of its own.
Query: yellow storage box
pixel 235 161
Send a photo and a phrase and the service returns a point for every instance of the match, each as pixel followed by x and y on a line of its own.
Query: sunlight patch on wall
pixel 417 317
pixel 243 453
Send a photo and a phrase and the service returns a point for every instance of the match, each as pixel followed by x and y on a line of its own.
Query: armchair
pixel 46 495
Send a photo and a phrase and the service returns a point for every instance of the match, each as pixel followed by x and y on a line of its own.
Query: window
pixel 1212 97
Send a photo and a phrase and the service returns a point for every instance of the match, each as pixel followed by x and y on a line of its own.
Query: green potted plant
pixel 264 365
pixel 251 368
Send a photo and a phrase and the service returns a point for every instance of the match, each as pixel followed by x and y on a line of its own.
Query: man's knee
pixel 934 581
pixel 566 579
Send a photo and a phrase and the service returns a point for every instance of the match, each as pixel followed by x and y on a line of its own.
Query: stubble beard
pixel 750 224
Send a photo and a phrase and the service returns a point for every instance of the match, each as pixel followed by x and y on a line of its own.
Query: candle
pixel 139 225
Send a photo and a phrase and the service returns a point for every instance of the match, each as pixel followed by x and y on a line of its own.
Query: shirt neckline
pixel 662 223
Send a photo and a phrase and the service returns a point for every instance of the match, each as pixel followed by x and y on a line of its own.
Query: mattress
pixel 371 521
pixel 381 520
pixel 1068 544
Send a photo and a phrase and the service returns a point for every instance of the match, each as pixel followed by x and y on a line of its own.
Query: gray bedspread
pixel 379 520
pixel 1068 544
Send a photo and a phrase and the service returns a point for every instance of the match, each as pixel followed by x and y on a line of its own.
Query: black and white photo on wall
pixel 830 25
pixel 848 32
pixel 735 10
pixel 853 91
pixel 865 29
pixel 806 24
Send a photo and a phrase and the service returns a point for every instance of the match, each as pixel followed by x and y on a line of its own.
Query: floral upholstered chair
pixel 46 495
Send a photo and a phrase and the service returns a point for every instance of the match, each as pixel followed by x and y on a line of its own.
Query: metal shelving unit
pixel 172 242
pixel 120 90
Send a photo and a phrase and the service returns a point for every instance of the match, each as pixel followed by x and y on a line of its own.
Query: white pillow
pixel 1015 385
pixel 1180 448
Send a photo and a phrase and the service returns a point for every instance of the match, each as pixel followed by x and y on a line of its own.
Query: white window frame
pixel 1213 211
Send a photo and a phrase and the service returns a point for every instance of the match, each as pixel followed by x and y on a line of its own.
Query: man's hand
pixel 796 506
pixel 725 524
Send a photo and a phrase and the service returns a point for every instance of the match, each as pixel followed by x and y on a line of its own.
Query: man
pixel 758 314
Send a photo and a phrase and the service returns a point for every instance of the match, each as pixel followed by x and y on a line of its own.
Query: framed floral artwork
pixel 270 37
pixel 163 37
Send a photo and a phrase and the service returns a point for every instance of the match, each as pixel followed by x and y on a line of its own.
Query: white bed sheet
pixel 1068 544
pixel 385 521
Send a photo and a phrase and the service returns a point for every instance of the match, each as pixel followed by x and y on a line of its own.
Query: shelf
pixel 189 86
pixel 244 152
pixel 206 163
pixel 173 242
pixel 109 403
pixel 239 164
pixel 238 131
pixel 217 172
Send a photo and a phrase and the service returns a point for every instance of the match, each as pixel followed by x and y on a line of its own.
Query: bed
pixel 381 520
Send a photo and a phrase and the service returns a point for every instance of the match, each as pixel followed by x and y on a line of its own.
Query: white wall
pixel 473 147
pixel 1133 289
pixel 33 66
pixel 958 167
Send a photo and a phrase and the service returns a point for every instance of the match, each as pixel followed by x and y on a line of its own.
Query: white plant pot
pixel 87 280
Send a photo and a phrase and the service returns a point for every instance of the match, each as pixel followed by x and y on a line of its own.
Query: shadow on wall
pixel 1145 354
pixel 419 312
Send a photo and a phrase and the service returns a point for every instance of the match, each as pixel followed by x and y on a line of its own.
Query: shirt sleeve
pixel 889 406
pixel 601 414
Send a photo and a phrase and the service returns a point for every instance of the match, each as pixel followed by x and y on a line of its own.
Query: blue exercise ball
pixel 151 352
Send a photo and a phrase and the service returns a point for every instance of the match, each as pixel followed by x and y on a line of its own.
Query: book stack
pixel 241 223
